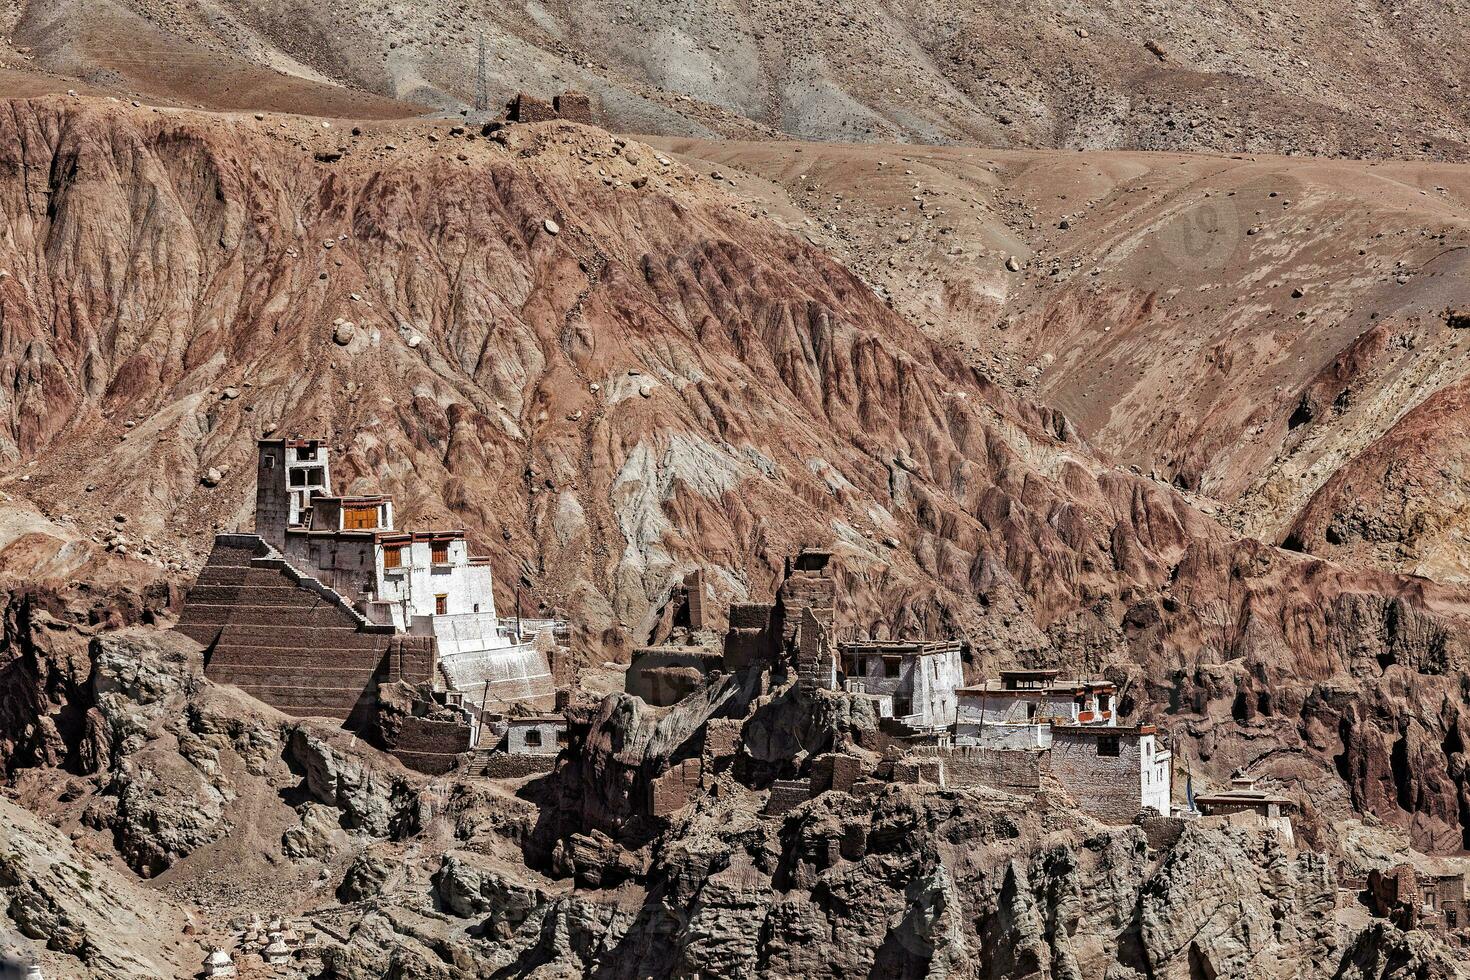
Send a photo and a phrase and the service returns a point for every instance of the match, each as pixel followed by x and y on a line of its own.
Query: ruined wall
pixel 1017 772
pixel 431 746
pixel 750 639
pixel 672 791
pixel 574 106
pixel 664 676
pixel 527 108
pixel 787 794
pixel 810 585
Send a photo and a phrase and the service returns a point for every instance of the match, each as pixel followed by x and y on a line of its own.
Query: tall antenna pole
pixel 482 80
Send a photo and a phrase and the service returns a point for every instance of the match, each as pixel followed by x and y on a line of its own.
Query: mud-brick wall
pixel 501 765
pixel 431 746
pixel 1107 788
pixel 672 790
pixel 1013 771
pixel 749 640
pixel 787 794
pixel 806 590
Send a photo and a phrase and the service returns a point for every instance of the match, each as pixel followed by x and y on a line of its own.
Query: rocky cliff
pixel 247 813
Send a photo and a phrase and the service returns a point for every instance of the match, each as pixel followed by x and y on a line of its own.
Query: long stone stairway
pixel 281 635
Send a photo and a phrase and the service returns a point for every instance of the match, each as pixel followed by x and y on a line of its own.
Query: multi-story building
pixel 423 583
pixel 1019 710
pixel 919 676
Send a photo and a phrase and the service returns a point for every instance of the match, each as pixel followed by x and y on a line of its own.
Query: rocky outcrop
pixel 65 901
pixel 376 803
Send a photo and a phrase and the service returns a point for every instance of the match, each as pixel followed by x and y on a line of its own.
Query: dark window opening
pixel 561 739
pixel 533 736
pixel 306 453
pixel 1030 710
pixel 270 461
pixel 1108 745
pixel 890 666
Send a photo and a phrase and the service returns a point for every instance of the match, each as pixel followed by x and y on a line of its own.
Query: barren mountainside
pixel 609 372
pixel 1321 78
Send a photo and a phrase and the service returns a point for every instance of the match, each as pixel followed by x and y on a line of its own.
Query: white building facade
pixel 425 583
pixel 1018 711
pixel 919 677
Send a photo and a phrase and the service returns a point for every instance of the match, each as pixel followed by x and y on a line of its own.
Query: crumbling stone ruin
pixel 1028 729
pixel 571 105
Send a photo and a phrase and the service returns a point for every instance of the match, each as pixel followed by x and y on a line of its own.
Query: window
pixel 439 552
pixel 1108 745
pixel 1451 918
pixel 1030 711
pixel 477 607
pixel 561 739
pixel 441 605
pixel 533 736
pixel 270 461
pixel 359 518
pixel 307 453
pixel 890 666
pixel 393 556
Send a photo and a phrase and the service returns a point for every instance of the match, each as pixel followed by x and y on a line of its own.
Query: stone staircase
pixel 281 635
pixel 479 765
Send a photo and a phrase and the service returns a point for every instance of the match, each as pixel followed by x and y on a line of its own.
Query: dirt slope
pixel 1183 74
pixel 1241 327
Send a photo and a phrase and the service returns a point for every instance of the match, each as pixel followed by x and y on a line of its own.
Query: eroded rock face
pixel 787 404
pixel 71 904
pixel 917 883
pixel 371 801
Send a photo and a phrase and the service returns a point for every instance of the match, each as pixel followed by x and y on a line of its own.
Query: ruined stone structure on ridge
pixel 328 599
pixel 1425 894
pixel 571 105
pixel 1017 733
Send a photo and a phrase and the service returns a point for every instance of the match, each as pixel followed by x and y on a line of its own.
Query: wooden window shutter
pixel 360 518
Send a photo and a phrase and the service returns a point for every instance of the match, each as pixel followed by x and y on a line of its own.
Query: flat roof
pixel 1106 729
pixel 1060 687
pixel 1236 797
pixel 898 647
pixel 536 720
pixel 394 536
pixel 1037 672
pixel 293 443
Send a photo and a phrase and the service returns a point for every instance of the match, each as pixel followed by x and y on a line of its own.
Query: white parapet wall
pixel 519 672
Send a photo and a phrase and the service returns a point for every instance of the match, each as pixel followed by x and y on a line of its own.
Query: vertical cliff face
pixel 609 372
